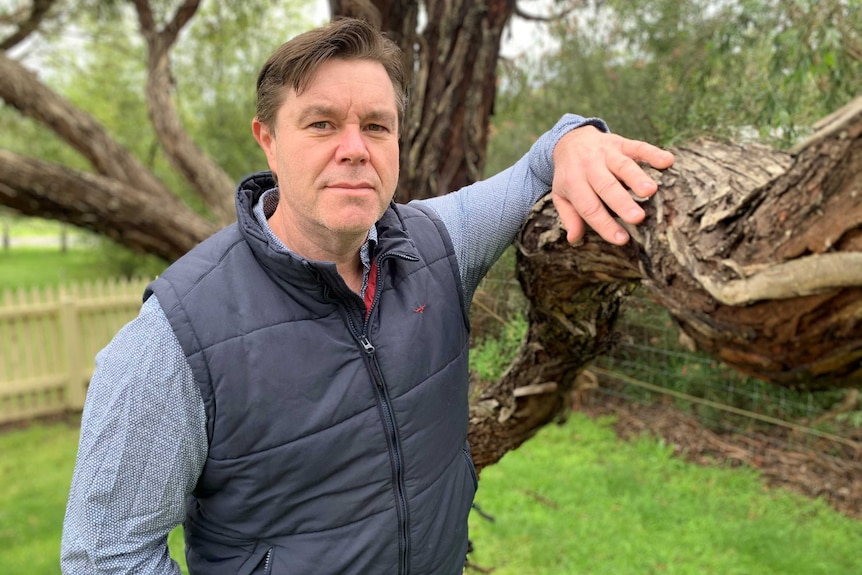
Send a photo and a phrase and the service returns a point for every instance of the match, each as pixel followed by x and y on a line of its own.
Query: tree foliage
pixel 666 71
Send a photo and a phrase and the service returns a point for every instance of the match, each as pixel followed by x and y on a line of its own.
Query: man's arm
pixel 142 447
pixel 580 162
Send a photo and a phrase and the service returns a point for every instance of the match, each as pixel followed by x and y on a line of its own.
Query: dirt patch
pixel 812 467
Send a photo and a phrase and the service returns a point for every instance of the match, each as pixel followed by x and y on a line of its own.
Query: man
pixel 294 389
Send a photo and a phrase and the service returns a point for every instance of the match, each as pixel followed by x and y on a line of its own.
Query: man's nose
pixel 351 145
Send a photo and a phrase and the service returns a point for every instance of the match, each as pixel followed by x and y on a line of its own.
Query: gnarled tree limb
pixel 754 252
pixel 22 90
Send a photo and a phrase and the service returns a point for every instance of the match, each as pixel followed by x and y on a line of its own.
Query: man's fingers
pixel 631 174
pixel 614 195
pixel 577 209
pixel 569 218
pixel 647 153
pixel 626 168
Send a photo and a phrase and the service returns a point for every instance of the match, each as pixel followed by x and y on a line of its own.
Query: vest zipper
pixel 393 442
pixel 389 418
pixel 394 451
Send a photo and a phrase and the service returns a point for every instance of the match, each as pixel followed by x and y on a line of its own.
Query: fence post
pixel 70 327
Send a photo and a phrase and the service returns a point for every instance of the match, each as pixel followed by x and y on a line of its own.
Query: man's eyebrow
pixel 316 111
pixel 382 116
pixel 321 111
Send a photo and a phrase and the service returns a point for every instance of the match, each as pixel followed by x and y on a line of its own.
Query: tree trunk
pixel 125 213
pixel 757 254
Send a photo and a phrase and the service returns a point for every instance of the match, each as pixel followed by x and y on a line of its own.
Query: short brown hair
pixel 294 63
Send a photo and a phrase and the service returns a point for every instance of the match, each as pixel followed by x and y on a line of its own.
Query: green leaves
pixel 667 71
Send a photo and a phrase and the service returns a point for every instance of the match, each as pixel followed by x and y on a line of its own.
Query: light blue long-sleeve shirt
pixel 143 433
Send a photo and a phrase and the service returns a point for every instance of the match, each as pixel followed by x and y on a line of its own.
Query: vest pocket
pixel 260 561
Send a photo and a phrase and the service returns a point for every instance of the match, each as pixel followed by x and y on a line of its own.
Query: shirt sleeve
pixel 142 448
pixel 483 218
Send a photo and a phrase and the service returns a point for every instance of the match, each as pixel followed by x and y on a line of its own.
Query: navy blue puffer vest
pixel 337 439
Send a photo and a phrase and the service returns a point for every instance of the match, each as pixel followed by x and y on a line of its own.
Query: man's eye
pixel 322 125
pixel 376 128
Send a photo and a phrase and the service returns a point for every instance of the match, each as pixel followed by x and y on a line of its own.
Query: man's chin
pixel 350 222
pixel 351 227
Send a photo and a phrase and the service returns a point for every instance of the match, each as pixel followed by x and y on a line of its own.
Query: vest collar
pixel 392 239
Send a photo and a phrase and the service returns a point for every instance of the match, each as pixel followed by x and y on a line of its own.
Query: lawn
pixel 573 500
pixel 26 267
pixel 35 472
pixel 577 500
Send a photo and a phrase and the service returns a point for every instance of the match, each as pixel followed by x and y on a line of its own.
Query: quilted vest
pixel 337 435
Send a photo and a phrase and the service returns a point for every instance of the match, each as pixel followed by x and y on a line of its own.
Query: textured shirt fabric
pixel 143 436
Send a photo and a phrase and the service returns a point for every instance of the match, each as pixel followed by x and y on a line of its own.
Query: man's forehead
pixel 369 91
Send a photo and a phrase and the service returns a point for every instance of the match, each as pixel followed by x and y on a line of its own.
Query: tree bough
pixel 755 253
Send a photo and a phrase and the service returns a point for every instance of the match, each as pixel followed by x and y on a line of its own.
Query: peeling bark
pixel 453 96
pixel 755 253
pixel 766 273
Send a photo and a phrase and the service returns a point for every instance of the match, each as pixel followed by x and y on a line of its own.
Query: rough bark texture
pixel 758 256
pixel 756 253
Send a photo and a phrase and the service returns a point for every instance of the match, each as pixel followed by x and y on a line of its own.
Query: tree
pixel 756 253
pixel 693 249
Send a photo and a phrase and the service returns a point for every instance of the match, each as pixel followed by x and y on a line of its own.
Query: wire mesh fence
pixel 654 362
pixel 654 381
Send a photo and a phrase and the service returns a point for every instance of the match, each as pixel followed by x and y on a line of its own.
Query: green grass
pixel 35 473
pixel 28 267
pixel 573 500
pixel 35 470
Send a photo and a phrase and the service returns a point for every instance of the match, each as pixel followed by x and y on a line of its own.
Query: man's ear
pixel 266 140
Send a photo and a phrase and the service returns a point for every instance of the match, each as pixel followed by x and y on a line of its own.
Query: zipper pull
pixel 366 345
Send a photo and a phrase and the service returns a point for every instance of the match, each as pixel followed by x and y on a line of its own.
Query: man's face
pixel 335 152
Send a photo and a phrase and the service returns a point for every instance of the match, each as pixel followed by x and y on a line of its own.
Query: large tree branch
pixel 782 232
pixel 123 212
pixel 207 178
pixel 22 90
